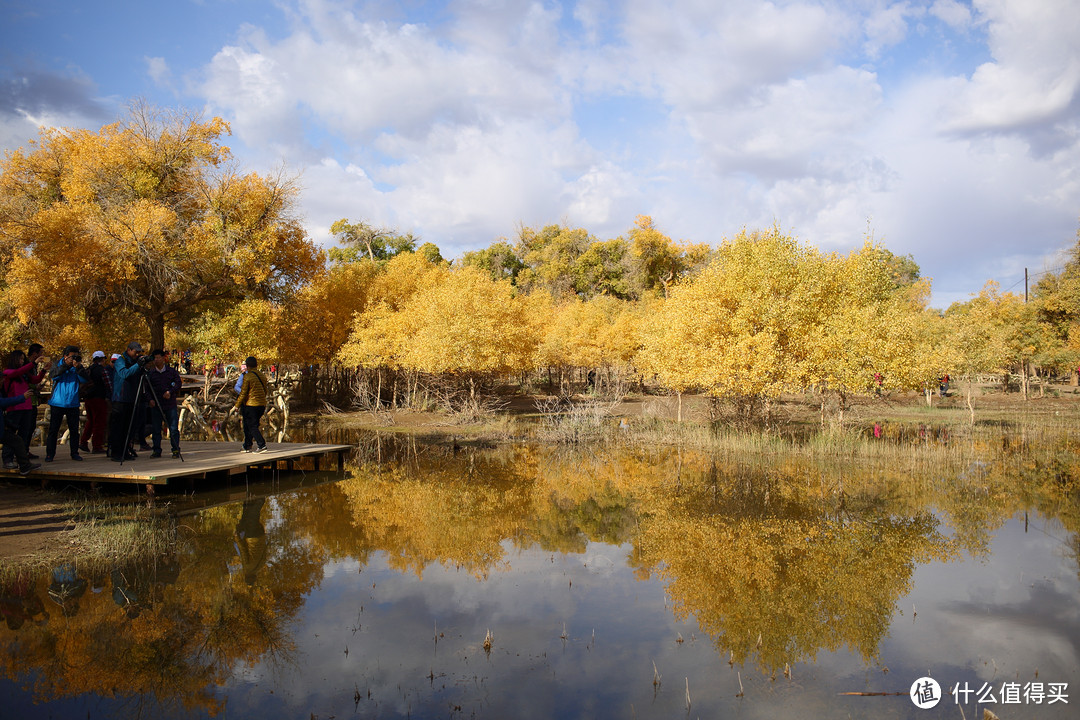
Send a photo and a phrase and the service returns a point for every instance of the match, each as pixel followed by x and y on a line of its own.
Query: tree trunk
pixel 156 325
pixel 971 408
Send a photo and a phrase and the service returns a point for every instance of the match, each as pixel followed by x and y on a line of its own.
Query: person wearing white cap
pixel 96 399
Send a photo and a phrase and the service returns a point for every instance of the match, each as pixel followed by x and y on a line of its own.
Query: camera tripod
pixel 143 380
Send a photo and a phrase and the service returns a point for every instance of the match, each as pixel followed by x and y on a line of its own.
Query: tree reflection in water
pixel 776 560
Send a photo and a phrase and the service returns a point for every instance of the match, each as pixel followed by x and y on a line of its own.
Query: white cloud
pixel 887 26
pixel 462 128
pixel 466 180
pixel 1034 78
pixel 158 70
pixel 952 13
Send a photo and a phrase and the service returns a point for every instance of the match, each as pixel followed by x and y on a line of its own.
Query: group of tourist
pixel 122 394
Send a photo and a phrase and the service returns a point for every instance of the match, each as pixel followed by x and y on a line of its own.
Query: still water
pixel 531 582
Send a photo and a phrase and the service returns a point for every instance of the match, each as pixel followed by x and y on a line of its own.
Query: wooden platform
pixel 201 459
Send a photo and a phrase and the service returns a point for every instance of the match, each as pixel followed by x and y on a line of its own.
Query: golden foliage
pixel 428 318
pixel 143 219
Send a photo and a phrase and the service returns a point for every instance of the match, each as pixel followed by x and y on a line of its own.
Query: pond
pixel 606 582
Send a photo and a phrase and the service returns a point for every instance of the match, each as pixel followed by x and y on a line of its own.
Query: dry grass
pixel 102 534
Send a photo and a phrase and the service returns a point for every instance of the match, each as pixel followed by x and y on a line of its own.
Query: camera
pixel 142 360
pixel 78 358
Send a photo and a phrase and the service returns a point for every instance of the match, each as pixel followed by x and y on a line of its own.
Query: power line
pixel 1031 275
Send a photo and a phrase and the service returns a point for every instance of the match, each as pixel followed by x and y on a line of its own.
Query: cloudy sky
pixel 949 129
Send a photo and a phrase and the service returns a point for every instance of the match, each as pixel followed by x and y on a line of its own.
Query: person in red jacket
pixel 96 398
pixel 20 375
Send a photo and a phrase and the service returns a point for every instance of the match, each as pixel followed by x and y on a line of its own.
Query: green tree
pixel 499 261
pixel 359 239
pixel 550 256
pixel 603 269
pixel 662 262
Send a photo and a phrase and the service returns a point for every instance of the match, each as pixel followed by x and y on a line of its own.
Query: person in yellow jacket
pixel 252 405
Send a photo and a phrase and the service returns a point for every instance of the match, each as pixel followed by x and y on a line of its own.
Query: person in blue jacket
pixel 11 439
pixel 129 372
pixel 67 376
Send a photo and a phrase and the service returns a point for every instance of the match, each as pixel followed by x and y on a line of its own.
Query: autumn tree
pixel 740 329
pixel 317 322
pixel 986 335
pixel 872 333
pixel 602 334
pixel 459 324
pixel 1057 304
pixel 147 218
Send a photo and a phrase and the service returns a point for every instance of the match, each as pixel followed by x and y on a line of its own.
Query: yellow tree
pixel 319 319
pixel 457 324
pixel 983 335
pixel 143 218
pixel 602 333
pixel 247 328
pixel 381 328
pixel 873 333
pixel 468 324
pixel 739 330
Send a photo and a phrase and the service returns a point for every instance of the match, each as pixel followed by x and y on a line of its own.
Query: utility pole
pixel 1025 285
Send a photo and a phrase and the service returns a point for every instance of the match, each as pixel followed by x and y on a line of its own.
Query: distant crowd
pixel 128 397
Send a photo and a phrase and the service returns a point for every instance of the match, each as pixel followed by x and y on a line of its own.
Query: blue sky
pixel 948 128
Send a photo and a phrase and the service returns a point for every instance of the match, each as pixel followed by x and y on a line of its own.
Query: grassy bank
pixel 882 428
pixel 98 535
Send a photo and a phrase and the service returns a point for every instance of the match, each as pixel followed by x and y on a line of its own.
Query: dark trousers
pixel 170 417
pixel 97 418
pixel 56 415
pixel 14 444
pixel 21 422
pixel 143 418
pixel 251 414
pixel 119 422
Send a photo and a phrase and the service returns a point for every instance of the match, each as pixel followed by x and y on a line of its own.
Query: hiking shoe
pixel 175 454
pixel 11 465
pixel 262 449
pixel 29 468
pixel 84 447
pixel 48 458
pixel 156 453
pixel 76 456
pixel 247 450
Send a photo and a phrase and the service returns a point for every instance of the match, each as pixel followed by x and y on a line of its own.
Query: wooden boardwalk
pixel 200 460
